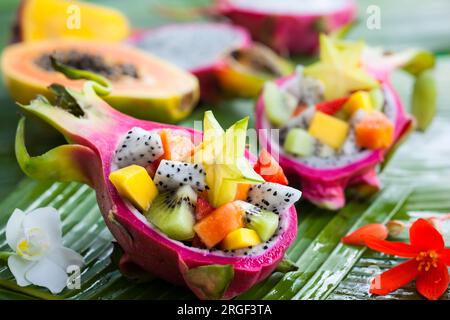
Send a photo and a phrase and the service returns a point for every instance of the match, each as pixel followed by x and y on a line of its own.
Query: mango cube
pixel 134 184
pixel 328 130
pixel 358 100
pixel 240 238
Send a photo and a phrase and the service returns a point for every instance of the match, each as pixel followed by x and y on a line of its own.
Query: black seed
pixel 159 172
pixel 250 247
pixel 124 146
pixel 173 166
pixel 160 183
pixel 146 143
pixel 152 148
pixel 120 159
pixel 149 161
pixel 275 193
pixel 128 137
pixel 130 132
pixel 153 155
pixel 168 175
pixel 265 247
pixel 286 200
pixel 185 179
pixel 178 169
pixel 138 138
pixel 206 187
pixel 270 189
pixel 141 155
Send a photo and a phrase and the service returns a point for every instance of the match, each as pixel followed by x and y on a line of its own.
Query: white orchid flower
pixel 40 257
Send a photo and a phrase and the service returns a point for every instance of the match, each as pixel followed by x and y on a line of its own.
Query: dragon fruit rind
pixel 98 134
pixel 289 26
pixel 324 183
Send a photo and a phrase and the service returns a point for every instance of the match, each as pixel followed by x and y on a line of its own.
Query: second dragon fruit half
pixel 337 119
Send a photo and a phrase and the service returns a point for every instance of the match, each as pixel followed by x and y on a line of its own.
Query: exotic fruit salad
pixel 336 122
pixel 186 207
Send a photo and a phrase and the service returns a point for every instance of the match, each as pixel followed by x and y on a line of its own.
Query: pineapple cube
pixel 328 130
pixel 358 100
pixel 240 238
pixel 135 184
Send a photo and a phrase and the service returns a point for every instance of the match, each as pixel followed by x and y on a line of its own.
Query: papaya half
pixel 61 19
pixel 144 86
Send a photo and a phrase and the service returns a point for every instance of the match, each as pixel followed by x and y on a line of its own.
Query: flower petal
pixel 14 228
pixel 376 230
pixel 46 273
pixel 47 219
pixel 65 257
pixel 445 256
pixel 19 267
pixel 395 248
pixel 423 236
pixel 394 278
pixel 433 283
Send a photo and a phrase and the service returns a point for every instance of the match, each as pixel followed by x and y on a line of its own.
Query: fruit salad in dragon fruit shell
pixel 332 112
pixel 207 195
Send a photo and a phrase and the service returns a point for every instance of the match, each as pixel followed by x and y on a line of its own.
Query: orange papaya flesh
pixel 143 86
pixel 62 19
pixel 245 70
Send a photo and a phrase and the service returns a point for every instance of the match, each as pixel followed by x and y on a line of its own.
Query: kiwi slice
pixel 299 142
pixel 279 105
pixel 264 222
pixel 173 213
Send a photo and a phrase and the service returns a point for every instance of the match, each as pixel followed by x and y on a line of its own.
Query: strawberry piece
pixel 376 230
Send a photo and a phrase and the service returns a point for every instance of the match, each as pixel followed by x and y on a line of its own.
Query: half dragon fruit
pixel 324 180
pixel 222 56
pixel 98 136
pixel 289 26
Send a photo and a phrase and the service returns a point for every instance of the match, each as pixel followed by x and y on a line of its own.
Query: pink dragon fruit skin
pixel 207 73
pixel 326 187
pixel 291 33
pixel 93 140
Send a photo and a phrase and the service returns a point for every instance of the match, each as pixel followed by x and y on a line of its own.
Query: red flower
pixel 428 263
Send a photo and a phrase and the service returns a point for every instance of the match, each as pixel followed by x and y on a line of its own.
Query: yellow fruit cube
pixel 358 100
pixel 328 130
pixel 240 238
pixel 135 184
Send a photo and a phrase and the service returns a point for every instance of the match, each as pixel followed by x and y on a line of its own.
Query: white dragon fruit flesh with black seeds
pixel 173 174
pixel 139 147
pixel 273 196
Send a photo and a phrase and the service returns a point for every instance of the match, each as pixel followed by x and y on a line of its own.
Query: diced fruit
pixel 173 213
pixel 176 147
pixel 332 106
pixel 222 156
pixel 242 191
pixel 299 142
pixel 134 184
pixel 299 109
pixel 328 130
pixel 377 99
pixel 240 238
pixel 268 168
pixel 265 223
pixel 217 225
pixel 151 168
pixel 278 107
pixel 375 131
pixel 203 208
pixel 358 100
